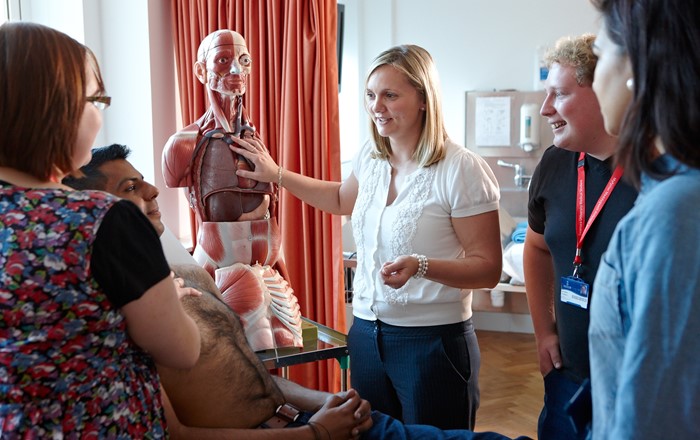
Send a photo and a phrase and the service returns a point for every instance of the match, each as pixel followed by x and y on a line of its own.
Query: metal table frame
pixel 331 344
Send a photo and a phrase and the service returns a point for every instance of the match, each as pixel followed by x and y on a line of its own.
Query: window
pixel 9 10
pixel 4 13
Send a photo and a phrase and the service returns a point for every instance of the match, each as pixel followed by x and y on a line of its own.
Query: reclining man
pixel 229 393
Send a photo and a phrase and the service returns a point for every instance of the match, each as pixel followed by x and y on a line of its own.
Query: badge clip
pixel 577 262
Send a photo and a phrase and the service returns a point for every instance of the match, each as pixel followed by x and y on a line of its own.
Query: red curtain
pixel 292 99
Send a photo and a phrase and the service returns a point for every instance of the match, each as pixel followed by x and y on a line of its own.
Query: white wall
pixel 476 44
pixel 66 15
pixel 136 55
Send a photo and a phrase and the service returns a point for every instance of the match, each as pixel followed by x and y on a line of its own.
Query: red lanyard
pixel 581 205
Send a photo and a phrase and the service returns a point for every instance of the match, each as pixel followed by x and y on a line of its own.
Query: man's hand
pixel 344 415
pixel 183 291
pixel 548 353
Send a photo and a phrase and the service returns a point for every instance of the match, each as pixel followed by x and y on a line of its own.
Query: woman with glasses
pixel 87 303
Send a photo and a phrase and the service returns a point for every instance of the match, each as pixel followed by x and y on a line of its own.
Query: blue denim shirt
pixel 644 333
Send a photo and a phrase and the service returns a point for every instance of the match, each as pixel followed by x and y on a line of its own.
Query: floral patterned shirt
pixel 67 366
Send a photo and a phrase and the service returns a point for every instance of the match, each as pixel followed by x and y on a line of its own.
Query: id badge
pixel 575 291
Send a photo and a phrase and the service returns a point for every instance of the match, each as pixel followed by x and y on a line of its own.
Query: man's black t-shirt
pixel 552 212
pixel 127 257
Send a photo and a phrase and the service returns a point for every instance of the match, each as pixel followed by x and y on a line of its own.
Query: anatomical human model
pixel 238 238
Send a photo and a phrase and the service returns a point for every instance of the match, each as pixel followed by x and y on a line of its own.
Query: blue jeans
pixel 418 375
pixel 386 428
pixel 555 422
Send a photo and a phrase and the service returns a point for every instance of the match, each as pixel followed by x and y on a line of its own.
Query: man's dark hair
pixel 92 178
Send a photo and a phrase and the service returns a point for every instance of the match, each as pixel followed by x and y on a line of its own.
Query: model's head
pixel 410 70
pixel 223 62
pixel 649 62
pixel 49 115
pixel 570 106
pixel 110 171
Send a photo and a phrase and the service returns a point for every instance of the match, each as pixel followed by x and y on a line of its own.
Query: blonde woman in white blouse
pixel 425 222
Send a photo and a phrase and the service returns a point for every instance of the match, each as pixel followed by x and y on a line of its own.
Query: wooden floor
pixel 511 384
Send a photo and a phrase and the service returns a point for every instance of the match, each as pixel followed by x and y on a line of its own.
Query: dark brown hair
pixel 90 176
pixel 42 97
pixel 661 39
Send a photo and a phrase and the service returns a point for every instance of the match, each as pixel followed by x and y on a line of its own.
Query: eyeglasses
pixel 101 102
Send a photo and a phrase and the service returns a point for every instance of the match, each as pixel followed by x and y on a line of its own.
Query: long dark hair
pixel 661 39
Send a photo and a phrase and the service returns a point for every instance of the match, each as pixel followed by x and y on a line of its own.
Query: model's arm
pixel 177 156
pixel 332 197
pixel 480 237
pixel 158 324
pixel 539 286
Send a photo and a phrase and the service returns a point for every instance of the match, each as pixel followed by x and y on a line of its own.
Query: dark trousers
pixel 386 428
pixel 419 375
pixel 555 422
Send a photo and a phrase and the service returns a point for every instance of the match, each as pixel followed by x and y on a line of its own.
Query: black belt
pixel 284 415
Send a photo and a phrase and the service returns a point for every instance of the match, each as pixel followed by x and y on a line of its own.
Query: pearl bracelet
pixel 422 265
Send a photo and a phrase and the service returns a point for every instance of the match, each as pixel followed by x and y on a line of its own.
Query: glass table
pixel 330 344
